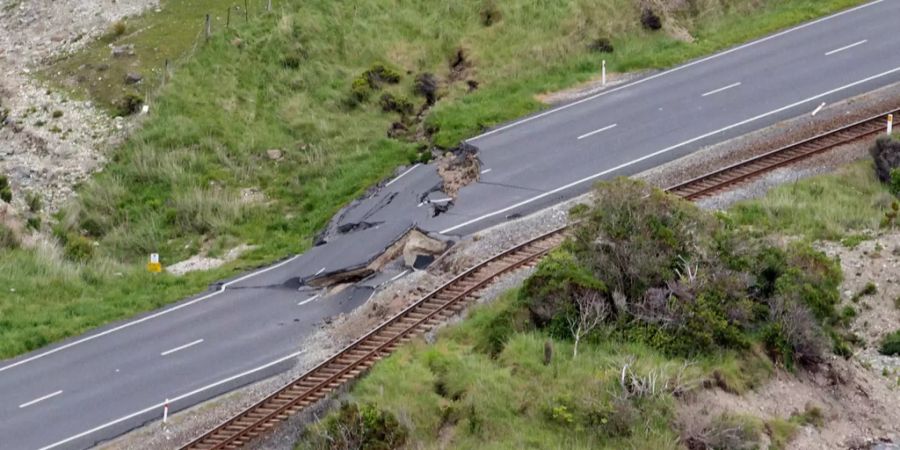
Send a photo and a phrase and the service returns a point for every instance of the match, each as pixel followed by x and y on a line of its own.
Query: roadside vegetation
pixel 649 300
pixel 261 133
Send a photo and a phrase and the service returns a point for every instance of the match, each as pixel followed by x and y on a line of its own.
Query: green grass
pixel 283 80
pixel 836 206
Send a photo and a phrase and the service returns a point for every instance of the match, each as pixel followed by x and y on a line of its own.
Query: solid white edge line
pixel 402 175
pixel 818 108
pixel 27 404
pixel 169 352
pixel 586 135
pixel 144 319
pixel 666 150
pixel 673 70
pixel 716 91
pixel 171 400
pixel 486 171
pixel 396 277
pixel 846 47
pixel 313 298
pixel 319 272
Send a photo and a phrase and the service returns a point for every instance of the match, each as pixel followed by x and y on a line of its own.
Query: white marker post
pixel 890 129
pixel 166 411
pixel 603 73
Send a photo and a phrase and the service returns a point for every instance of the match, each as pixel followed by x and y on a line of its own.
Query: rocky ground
pixel 50 141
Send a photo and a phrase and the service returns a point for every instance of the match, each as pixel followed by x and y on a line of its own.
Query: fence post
pixel 208 27
pixel 603 75
pixel 269 6
pixel 890 127
pixel 228 18
pixel 246 11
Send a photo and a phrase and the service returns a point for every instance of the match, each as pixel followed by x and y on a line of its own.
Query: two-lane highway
pixel 94 387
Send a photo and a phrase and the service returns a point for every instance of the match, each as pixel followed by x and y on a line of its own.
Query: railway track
pixel 723 179
pixel 349 363
pixel 451 298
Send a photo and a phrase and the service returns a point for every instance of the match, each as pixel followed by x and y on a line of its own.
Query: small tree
pixel 592 311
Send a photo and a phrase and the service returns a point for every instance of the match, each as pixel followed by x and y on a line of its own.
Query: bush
pixel 426 85
pixel 130 103
pixel 890 346
pixel 380 74
pixel 490 13
pixel 390 103
pixel 78 248
pixel 360 90
pixel 684 281
pixel 895 182
pixel 118 28
pixel 357 427
pixel 549 294
pixel 8 239
pixel 601 45
pixel 725 432
pixel 650 21
pixel 34 202
pixel 886 153
pixel 794 336
pixel 5 189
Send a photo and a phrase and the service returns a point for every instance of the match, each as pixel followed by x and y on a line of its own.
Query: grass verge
pixel 840 206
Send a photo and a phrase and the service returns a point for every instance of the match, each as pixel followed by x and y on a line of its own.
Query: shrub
pixel 34 202
pixel 794 336
pixel 390 103
pixel 78 248
pixel 34 222
pixel 380 74
pixel 8 239
pixel 357 427
pixel 426 85
pixel 130 103
pixel 727 431
pixel 601 45
pixel 118 28
pixel 57 114
pixel 650 21
pixel 890 346
pixel 868 290
pixel 360 90
pixel 490 13
pixel 5 189
pixel 549 294
pixel 886 153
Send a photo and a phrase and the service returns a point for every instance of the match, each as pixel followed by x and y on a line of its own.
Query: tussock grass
pixel 282 81
pixel 832 206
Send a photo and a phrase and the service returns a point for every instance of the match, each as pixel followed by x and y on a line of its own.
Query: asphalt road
pixel 94 387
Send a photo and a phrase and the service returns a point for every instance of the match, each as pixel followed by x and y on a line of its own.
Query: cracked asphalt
pixel 94 387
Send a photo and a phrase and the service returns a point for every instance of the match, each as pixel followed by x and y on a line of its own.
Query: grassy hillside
pixel 308 79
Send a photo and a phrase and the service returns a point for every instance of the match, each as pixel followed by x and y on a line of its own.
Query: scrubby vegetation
pixel 286 81
pixel 662 297
pixel 890 346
